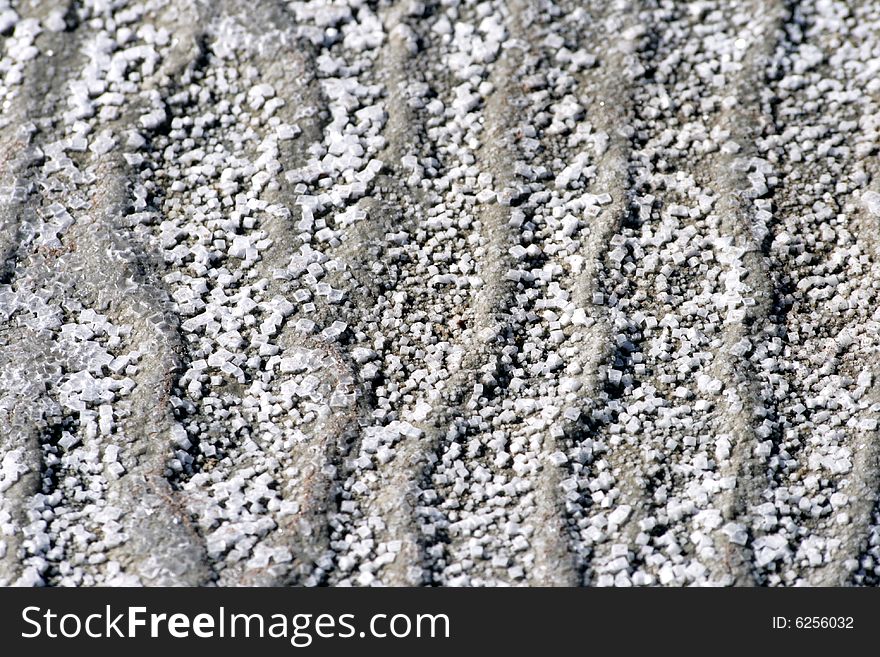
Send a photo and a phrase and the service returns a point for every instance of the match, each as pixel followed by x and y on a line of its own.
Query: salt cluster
pixel 451 293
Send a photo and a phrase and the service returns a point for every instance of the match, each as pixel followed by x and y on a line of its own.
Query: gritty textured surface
pixel 455 293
